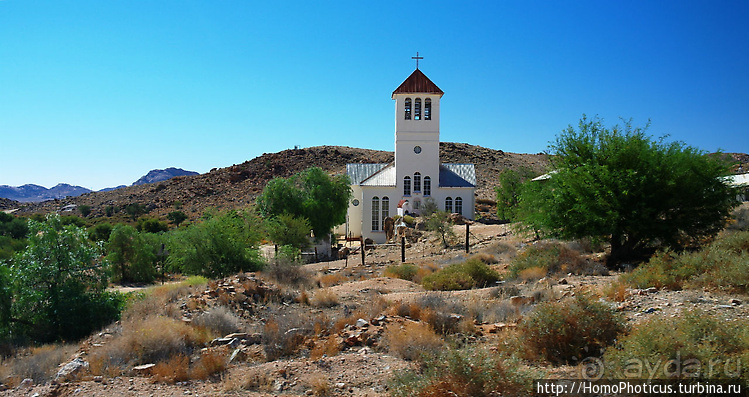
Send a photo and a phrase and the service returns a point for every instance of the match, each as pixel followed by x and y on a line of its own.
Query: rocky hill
pixel 7 204
pixel 154 176
pixel 34 193
pixel 238 185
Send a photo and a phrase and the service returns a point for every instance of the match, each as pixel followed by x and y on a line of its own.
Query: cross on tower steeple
pixel 417 57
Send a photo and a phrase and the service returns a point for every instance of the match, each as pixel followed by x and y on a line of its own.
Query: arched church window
pixel 407 186
pixel 408 109
pixel 417 109
pixel 427 109
pixel 375 213
pixel 459 205
pixel 385 204
pixel 449 205
pixel 417 182
pixel 427 186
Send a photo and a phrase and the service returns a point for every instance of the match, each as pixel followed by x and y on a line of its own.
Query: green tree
pixel 218 246
pixel 100 232
pixel 133 254
pixel 288 230
pixel 640 194
pixel 176 217
pixel 441 223
pixel 13 232
pixel 85 210
pixel 508 192
pixel 12 226
pixel 58 285
pixel 135 210
pixel 151 225
pixel 311 194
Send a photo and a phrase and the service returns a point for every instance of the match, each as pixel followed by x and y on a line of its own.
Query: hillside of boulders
pixel 237 186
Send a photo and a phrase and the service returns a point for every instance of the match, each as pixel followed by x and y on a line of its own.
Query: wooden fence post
pixel 403 249
pixel 363 254
pixel 467 235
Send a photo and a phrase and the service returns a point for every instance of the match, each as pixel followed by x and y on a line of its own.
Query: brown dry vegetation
pixel 327 330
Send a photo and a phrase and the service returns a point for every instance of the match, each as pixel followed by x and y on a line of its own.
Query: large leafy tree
pixel 508 191
pixel 311 194
pixel 133 254
pixel 220 245
pixel 56 288
pixel 619 184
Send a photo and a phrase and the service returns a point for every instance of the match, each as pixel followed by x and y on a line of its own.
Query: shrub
pixel 412 341
pixel 324 298
pixel 740 219
pixel 466 275
pixel 441 223
pixel 151 225
pixel 154 339
pixel 175 369
pixel 133 254
pixel 40 364
pixel 57 289
pixel 220 320
pixel 210 362
pixel 288 272
pixel 100 232
pixel 221 245
pixel 405 271
pixel 552 258
pixel 176 217
pixel 465 373
pixel 701 345
pixel 569 330
pixel 723 264
pixel 283 335
pixel 85 210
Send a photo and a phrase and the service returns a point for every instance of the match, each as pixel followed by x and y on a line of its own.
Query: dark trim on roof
pixel 418 82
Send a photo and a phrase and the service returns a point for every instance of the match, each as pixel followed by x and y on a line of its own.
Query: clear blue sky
pixel 97 93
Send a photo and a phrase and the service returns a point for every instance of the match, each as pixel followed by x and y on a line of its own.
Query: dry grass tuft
pixel 324 298
pixel 220 320
pixel 329 280
pixel 320 386
pixel 38 363
pixel 327 347
pixel 153 339
pixel 209 363
pixel 532 273
pixel 616 291
pixel 412 341
pixel 175 369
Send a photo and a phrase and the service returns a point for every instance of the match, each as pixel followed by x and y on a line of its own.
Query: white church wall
pixel 369 192
pixel 352 226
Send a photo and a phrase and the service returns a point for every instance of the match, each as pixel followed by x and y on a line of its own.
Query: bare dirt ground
pixel 363 370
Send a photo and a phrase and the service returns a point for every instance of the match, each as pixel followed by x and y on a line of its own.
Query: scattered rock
pixel 736 302
pixel 142 369
pixel 71 370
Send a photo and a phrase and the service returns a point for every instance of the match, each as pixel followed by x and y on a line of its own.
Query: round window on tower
pixel 355 202
pixel 417 149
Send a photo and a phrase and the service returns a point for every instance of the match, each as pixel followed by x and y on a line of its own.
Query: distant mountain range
pixel 35 193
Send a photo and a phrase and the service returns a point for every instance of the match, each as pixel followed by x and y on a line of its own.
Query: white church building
pixel 415 175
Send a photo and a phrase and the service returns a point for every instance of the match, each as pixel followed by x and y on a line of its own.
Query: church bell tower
pixel 417 137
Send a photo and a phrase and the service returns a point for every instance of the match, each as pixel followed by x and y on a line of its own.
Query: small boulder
pixel 71 370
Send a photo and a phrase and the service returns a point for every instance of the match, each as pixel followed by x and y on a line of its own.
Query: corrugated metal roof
pixel 417 82
pixel 383 177
pixel 359 172
pixel 457 175
pixel 738 180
